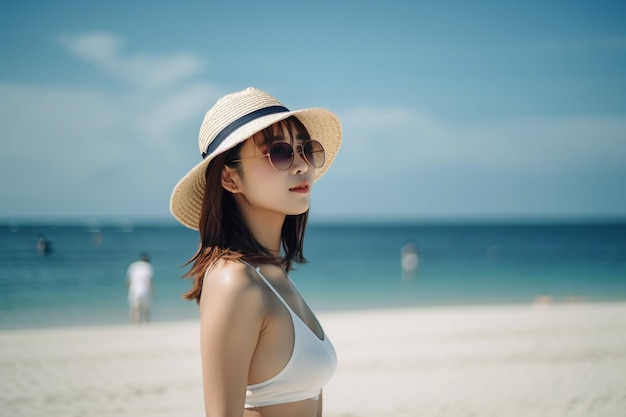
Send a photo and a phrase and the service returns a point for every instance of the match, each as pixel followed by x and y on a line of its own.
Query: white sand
pixel 562 360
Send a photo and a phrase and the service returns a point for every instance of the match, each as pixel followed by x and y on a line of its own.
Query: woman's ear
pixel 229 175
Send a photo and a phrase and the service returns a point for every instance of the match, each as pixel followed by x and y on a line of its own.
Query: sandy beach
pixel 520 360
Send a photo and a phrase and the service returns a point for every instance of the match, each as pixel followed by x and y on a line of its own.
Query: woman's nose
pixel 300 163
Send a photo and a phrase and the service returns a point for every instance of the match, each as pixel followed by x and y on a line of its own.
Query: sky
pixel 451 111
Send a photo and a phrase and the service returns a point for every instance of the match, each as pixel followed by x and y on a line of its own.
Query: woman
pixel 263 351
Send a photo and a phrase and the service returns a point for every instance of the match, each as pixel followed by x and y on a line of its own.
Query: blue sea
pixel 81 281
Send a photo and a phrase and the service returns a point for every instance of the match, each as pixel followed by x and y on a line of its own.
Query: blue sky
pixel 451 110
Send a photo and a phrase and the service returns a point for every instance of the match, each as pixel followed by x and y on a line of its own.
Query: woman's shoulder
pixel 233 281
pixel 231 297
pixel 231 274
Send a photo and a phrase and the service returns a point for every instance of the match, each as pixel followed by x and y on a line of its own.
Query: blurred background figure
pixel 43 245
pixel 140 289
pixel 543 300
pixel 409 261
pixel 96 238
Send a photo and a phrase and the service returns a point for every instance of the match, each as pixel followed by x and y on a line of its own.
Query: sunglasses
pixel 281 154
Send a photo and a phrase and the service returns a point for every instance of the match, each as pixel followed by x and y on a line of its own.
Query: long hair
pixel 224 234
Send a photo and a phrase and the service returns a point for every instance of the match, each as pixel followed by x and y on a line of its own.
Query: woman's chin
pixel 296 211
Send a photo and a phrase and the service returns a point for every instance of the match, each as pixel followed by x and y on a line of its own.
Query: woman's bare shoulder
pixel 232 279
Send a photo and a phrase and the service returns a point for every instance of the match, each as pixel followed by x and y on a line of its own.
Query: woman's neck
pixel 267 230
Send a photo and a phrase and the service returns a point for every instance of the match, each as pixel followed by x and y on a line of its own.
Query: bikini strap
pixel 271 287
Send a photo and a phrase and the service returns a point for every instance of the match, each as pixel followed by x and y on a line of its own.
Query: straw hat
pixel 232 120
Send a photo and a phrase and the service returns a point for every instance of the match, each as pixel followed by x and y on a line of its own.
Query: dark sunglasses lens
pixel 314 153
pixel 281 156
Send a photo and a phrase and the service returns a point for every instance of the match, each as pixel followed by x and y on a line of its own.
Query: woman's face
pixel 263 189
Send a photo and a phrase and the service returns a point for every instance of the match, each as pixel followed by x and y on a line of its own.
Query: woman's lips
pixel 300 188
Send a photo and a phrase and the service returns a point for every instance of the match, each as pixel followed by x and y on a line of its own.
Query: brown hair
pixel 223 231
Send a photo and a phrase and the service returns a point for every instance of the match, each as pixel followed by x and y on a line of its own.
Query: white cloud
pixel 104 50
pixel 391 137
pixel 96 151
pixel 404 162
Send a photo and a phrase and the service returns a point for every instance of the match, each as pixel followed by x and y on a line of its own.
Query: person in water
pixel 263 351
pixel 43 245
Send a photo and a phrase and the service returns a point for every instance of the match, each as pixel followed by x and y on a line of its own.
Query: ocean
pixel 81 280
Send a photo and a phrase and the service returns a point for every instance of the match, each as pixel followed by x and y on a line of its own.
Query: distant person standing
pixel 409 261
pixel 140 288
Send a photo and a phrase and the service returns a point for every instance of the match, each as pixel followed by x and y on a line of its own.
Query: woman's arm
pixel 231 318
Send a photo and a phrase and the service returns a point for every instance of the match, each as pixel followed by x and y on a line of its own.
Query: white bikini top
pixel 312 363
